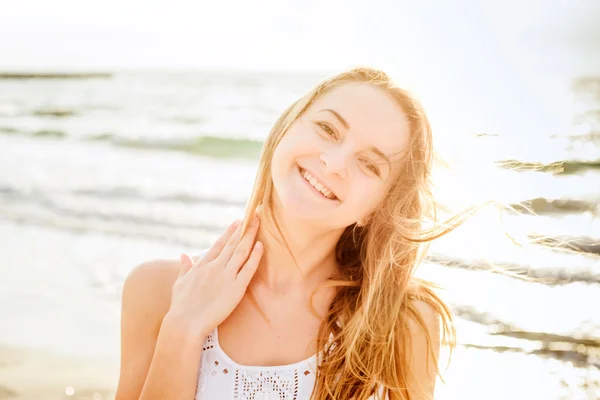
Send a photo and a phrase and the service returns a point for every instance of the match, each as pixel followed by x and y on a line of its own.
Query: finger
pixel 227 251
pixel 247 271
pixel 218 246
pixel 243 249
pixel 186 264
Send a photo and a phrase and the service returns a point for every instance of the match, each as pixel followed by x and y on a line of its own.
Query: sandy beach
pixel 27 374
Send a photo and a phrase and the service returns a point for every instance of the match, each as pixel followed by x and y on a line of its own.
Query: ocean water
pixel 98 175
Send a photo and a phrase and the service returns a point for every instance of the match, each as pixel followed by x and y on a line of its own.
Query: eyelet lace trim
pixel 251 384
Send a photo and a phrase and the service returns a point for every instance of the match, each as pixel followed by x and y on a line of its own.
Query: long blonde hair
pixel 369 316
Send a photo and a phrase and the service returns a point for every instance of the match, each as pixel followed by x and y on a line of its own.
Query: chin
pixel 299 208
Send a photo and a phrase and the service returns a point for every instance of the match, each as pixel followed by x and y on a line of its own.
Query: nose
pixel 334 163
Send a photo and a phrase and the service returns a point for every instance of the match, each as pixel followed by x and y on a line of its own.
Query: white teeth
pixel 313 181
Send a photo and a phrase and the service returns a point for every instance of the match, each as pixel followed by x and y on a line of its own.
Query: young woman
pixel 313 296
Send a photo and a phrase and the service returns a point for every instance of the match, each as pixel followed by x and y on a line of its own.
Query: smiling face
pixel 337 160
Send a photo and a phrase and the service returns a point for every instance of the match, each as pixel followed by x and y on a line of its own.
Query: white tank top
pixel 221 378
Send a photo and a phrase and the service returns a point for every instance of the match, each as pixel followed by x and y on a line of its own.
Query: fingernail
pixel 184 259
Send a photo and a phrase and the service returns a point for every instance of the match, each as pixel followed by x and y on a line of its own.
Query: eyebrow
pixel 381 154
pixel 347 126
pixel 339 117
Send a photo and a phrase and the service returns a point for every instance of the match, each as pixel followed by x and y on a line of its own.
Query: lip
pixel 300 169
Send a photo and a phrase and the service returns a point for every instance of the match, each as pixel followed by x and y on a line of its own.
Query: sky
pixel 485 53
pixel 410 36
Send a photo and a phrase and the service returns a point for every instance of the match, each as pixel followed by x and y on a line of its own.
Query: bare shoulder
pixel 425 335
pixel 153 274
pixel 154 268
pixel 147 288
pixel 426 319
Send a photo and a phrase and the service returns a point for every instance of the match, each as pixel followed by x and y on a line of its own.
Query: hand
pixel 206 292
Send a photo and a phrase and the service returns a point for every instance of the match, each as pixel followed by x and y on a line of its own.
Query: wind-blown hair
pixel 369 316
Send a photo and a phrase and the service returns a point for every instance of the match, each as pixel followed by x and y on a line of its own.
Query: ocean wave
pixel 126 193
pixel 49 133
pixel 543 206
pixel 16 109
pixel 538 275
pixel 209 146
pixel 185 119
pixel 580 244
pixel 43 133
pixel 573 355
pixel 116 212
pixel 54 112
pixel 58 75
pixel 45 212
pixel 578 348
pixel 8 129
pixel 204 146
pixel 130 193
pixel 198 236
pixel 558 167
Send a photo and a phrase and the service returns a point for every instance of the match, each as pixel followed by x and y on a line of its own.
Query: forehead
pixel 375 118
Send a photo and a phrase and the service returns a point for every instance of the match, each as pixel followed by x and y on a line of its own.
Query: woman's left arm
pixel 424 352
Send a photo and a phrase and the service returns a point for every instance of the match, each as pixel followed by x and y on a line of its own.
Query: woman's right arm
pixel 152 345
pixel 169 308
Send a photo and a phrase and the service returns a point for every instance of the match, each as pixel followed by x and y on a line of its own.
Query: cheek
pixel 278 154
pixel 292 149
pixel 367 195
pixel 283 153
pixel 301 139
pixel 289 149
pixel 286 146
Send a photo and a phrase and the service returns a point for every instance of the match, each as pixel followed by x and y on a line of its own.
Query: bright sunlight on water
pixel 103 172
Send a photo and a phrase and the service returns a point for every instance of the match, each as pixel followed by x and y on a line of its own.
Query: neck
pixel 297 255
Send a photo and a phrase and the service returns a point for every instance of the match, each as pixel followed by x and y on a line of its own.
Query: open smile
pixel 316 186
